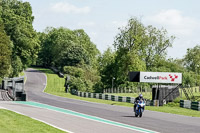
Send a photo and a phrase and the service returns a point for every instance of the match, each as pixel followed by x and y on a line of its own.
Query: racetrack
pixel 155 121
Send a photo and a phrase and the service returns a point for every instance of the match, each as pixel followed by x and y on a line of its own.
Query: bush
pixel 73 71
pixel 80 84
pixel 77 84
pixel 82 79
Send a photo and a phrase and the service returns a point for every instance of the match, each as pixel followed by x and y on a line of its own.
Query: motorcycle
pixel 139 108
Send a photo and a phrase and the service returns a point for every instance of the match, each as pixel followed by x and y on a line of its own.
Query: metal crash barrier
pixel 15 88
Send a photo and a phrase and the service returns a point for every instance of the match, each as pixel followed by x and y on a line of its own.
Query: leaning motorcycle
pixel 139 108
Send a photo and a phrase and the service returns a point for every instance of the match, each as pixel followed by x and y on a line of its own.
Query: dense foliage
pixel 73 53
pixel 5 53
pixel 17 20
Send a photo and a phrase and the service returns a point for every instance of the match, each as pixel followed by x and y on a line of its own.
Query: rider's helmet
pixel 140 96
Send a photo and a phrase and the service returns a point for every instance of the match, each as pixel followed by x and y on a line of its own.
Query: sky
pixel 101 19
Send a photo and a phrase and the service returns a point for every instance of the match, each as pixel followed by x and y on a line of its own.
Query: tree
pixel 60 48
pixel 192 59
pixel 106 65
pixel 72 56
pixel 90 47
pixel 5 53
pixel 64 47
pixel 139 48
pixel 17 19
pixel 128 44
pixel 156 45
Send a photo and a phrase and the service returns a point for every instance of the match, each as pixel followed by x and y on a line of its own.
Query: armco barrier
pixel 190 105
pixel 114 98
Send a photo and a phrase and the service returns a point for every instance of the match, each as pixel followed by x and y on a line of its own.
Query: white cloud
pixel 174 21
pixel 186 30
pixel 64 7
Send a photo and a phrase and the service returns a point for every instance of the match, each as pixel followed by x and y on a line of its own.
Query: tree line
pixel 19 41
pixel 136 48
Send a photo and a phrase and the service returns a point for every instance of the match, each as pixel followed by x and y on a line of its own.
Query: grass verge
pixel 55 86
pixel 12 122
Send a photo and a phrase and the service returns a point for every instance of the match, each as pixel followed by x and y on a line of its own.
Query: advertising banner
pixel 161 77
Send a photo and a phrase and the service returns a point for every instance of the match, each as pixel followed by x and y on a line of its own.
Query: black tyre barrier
pixel 106 97
pixel 112 97
pixel 128 99
pixel 195 105
pixel 94 96
pixel 190 105
pixel 100 96
pixel 120 98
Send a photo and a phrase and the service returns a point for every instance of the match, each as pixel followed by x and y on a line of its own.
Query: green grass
pixel 22 74
pixel 55 86
pixel 12 122
pixel 175 110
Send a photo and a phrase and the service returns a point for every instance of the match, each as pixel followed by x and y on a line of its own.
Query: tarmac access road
pixel 86 117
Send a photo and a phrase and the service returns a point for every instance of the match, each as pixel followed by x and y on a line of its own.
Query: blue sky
pixel 102 18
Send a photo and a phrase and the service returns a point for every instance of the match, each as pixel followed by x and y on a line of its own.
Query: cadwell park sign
pixel 156 77
pixel 160 77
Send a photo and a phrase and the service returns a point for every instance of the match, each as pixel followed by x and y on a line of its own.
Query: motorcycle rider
pixel 137 99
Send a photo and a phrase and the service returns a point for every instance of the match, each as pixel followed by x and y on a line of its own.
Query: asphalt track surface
pixel 155 121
